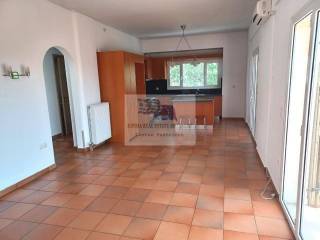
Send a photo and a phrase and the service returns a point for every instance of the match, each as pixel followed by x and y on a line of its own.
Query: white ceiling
pixel 155 18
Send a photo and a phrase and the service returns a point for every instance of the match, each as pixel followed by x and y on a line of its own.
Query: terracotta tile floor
pixel 207 191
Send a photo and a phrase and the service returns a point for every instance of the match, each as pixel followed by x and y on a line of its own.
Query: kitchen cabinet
pixel 155 68
pixel 218 106
pixel 189 112
pixel 118 86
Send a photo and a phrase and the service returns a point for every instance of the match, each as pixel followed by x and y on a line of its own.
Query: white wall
pixel 28 29
pixel 274 41
pixel 51 91
pixel 25 124
pixel 94 37
pixel 234 46
pixel 263 41
pixel 91 37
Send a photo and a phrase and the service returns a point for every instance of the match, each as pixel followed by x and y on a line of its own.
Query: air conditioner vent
pixel 262 11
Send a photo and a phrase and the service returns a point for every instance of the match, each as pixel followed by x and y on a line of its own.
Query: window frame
pixel 206 62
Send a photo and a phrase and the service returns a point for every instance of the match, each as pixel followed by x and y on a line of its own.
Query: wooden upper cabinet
pixel 117 78
pixel 127 74
pixel 155 68
pixel 140 78
pixel 148 68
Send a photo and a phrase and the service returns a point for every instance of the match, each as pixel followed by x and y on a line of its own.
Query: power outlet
pixel 43 146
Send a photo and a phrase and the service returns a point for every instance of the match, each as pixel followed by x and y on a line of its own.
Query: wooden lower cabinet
pixel 201 112
pixel 118 78
pixel 218 106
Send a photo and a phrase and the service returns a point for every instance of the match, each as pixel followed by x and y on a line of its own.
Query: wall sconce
pixel 7 72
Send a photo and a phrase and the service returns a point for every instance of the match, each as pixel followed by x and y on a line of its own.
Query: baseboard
pixel 26 181
pixel 261 163
pixel 93 146
pixel 233 118
pixel 86 149
pixel 252 138
pixel 55 137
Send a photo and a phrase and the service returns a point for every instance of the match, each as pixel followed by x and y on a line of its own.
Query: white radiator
pixel 99 123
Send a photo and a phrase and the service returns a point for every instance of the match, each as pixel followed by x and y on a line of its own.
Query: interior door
pixel 63 94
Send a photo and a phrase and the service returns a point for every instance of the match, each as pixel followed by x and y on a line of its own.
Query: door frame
pixel 313 9
pixel 78 135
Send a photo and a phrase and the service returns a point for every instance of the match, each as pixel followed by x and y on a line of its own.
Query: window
pixel 194 74
pixel 175 77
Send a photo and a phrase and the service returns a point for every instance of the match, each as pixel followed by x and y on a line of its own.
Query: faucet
pixel 197 92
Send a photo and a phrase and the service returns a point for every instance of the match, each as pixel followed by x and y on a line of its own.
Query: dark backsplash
pixel 160 87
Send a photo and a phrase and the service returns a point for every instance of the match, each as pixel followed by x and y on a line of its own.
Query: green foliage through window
pixel 212 74
pixel 194 74
pixel 175 75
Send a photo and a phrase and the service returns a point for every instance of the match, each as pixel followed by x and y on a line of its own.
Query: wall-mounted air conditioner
pixel 262 11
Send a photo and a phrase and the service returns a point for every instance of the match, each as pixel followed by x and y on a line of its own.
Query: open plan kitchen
pixel 160 120
pixel 183 88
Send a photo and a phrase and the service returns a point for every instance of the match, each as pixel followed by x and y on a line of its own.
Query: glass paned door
pixel 253 91
pixel 296 107
pixel 310 213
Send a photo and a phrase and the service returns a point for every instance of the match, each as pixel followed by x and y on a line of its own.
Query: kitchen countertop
pixel 192 98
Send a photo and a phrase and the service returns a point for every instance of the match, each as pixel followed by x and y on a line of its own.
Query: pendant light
pixel 183 38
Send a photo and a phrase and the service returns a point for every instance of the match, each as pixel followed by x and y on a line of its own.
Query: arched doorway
pixel 59 98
